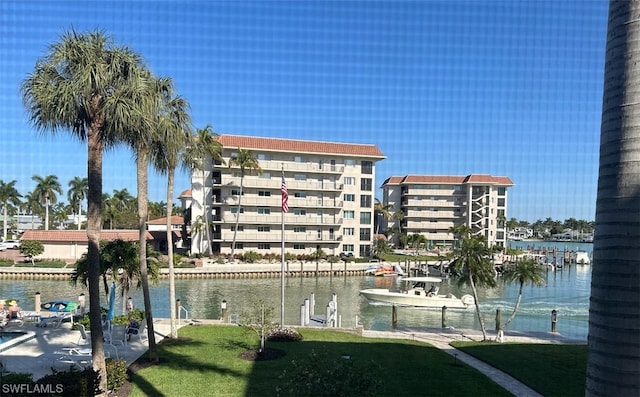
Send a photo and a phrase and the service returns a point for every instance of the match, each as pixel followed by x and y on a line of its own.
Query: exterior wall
pixel 331 198
pixel 432 205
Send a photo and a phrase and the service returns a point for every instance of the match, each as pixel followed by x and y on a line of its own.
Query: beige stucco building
pixel 331 195
pixel 432 204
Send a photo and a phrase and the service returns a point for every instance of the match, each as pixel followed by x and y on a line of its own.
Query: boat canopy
pixel 422 279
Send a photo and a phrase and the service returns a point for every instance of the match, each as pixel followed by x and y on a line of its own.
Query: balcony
pixel 309 167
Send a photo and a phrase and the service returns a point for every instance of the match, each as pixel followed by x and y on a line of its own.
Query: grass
pixel 207 363
pixel 551 370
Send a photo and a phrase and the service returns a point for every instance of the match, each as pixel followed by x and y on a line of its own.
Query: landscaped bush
pixel 116 374
pixel 55 263
pixel 284 335
pixel 251 256
pixel 6 262
pixel 72 382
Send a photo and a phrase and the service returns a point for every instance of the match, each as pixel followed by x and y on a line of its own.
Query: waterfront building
pixel 330 189
pixel 432 204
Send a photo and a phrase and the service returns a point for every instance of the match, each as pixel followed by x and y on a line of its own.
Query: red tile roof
pixel 185 194
pixel 80 236
pixel 299 146
pixel 175 220
pixel 450 179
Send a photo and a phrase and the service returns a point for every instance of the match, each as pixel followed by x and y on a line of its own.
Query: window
pixel 365 201
pixel 457 188
pixel 348 163
pixel 501 213
pixel 319 234
pixel 234 210
pixel 264 246
pixel 239 246
pixel 300 177
pixel 365 234
pixel 264 211
pixel 500 235
pixel 365 218
pixel 502 191
pixel 347 247
pixel 240 228
pixel 366 184
pixel 434 187
pixel 300 211
pixel 349 197
pixel 264 156
pixel 367 167
pixel 365 250
pixel 264 193
pixel 349 180
pixel 299 229
pixel 500 202
pixel 298 246
pixel 236 192
pixel 348 231
pixel 264 229
pixel 265 175
pixel 300 194
pixel 349 214
pixel 298 159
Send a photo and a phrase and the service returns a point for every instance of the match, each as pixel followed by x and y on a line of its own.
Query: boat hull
pixel 410 298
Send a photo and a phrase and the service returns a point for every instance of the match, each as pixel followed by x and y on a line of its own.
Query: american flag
pixel 285 195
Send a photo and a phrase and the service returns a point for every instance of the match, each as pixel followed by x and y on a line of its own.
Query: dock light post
pixel 82 303
pixel 129 305
pixel 554 320
pixel 223 306
pixel 37 302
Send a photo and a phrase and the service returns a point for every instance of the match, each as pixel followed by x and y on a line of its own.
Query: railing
pixel 180 310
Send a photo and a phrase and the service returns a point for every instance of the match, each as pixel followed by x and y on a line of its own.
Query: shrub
pixel 6 262
pixel 320 375
pixel 73 382
pixel 284 335
pixel 116 374
pixel 251 256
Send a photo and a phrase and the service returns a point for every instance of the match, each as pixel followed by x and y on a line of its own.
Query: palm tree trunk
pixel 515 308
pixel 206 212
pixel 235 229
pixel 94 224
pixel 614 320
pixel 478 313
pixel 79 214
pixel 172 281
pixel 142 229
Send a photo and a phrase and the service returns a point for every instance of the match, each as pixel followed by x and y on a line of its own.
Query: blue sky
pixel 508 88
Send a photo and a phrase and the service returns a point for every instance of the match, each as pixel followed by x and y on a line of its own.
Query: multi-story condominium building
pixel 330 207
pixel 432 204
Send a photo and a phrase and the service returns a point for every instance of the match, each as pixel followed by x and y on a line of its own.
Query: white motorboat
pixel 418 295
pixel 582 258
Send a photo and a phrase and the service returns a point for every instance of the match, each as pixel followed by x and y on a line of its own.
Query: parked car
pixel 12 244
pixel 2 247
pixel 346 255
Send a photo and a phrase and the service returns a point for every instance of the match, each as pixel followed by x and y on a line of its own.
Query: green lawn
pixel 552 370
pixel 208 363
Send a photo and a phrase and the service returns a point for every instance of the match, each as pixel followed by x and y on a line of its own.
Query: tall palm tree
pixel 381 210
pixel 123 200
pixel 8 195
pixel 614 315
pixel 398 217
pixel 175 136
pixel 205 146
pixel 32 205
pixel 141 136
pixel 472 266
pixel 78 188
pixel 247 162
pixel 526 271
pixel 84 84
pixel 46 189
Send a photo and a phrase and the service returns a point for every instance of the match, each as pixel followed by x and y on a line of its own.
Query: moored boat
pixel 60 306
pixel 418 295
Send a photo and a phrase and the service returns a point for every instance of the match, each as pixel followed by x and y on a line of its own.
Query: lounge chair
pixel 118 335
pixel 55 321
pixel 140 332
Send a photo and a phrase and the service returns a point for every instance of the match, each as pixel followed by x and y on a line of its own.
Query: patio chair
pixel 118 335
pixel 140 332
pixel 85 336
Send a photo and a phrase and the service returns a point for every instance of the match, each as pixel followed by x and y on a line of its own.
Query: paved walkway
pixel 441 338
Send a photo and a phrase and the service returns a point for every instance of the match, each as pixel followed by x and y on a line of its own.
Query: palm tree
pixel 85 84
pixel 32 205
pixel 247 162
pixel 381 210
pixel 614 320
pixel 77 192
pixel 8 195
pixel 122 200
pixel 45 190
pixel 175 136
pixel 398 217
pixel 526 271
pixel 205 145
pixel 472 266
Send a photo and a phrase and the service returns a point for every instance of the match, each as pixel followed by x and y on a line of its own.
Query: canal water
pixel 566 291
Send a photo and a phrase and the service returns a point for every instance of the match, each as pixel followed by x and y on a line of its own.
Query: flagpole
pixel 284 208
